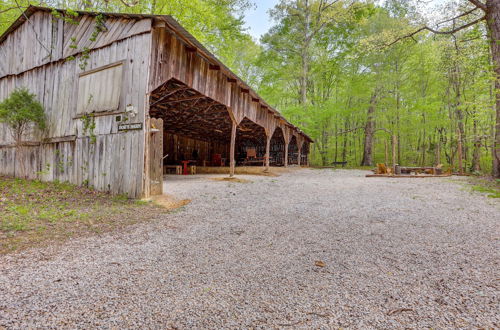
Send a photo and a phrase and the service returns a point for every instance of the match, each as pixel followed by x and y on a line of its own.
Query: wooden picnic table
pixel 409 169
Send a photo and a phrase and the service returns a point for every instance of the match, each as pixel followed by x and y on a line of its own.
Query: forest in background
pixel 351 74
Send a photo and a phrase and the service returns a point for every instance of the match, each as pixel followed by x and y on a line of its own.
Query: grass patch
pixel 34 213
pixel 485 185
pixel 491 192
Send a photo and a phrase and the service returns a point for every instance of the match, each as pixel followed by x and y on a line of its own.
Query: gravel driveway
pixel 397 253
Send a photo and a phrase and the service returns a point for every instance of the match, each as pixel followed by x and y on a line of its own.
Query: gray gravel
pixel 399 253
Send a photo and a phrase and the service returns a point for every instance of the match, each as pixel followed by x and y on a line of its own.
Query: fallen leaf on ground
pixel 320 263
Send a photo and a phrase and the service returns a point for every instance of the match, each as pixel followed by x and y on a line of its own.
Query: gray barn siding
pixel 115 161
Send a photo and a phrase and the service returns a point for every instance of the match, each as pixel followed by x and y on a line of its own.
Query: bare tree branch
pixel 478 4
pixel 459 16
pixel 452 31
pixel 33 28
pixel 350 130
pixel 7 9
pixel 132 4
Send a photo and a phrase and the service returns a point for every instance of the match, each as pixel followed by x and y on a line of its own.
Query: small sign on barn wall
pixel 129 127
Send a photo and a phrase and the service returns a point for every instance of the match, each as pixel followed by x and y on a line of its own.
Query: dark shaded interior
pixel 198 128
pixel 304 153
pixel 293 151
pixel 277 149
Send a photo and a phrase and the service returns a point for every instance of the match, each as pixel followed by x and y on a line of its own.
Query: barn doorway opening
pixel 196 129
pixel 304 154
pixel 277 148
pixel 293 152
pixel 250 144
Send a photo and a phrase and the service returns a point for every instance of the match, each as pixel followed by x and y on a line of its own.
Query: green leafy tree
pixel 20 112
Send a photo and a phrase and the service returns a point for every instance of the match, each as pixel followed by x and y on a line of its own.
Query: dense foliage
pixel 20 111
pixel 333 69
pixel 427 90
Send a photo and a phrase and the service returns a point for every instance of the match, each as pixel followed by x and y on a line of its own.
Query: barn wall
pixel 105 159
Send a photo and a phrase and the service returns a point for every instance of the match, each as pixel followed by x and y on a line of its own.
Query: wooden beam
pixel 254 99
pixel 168 94
pixel 231 80
pixel 185 99
pixel 232 148
pixel 245 90
pixel 214 67
pixel 268 148
pixel 159 23
pixel 191 49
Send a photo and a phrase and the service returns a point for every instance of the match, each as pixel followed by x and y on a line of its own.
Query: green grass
pixel 485 185
pixel 33 211
pixel 491 192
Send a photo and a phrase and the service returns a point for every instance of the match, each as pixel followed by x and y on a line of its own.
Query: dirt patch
pixel 248 170
pixel 169 202
pixel 231 180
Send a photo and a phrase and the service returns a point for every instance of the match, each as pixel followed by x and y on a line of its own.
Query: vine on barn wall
pixel 88 121
pixel 99 27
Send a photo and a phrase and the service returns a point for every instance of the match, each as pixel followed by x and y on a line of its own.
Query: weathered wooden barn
pixel 125 94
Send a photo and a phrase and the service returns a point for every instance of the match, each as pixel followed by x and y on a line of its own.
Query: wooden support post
pixel 299 156
pixel 394 143
pixel 146 184
pixel 268 148
pixel 286 154
pixel 232 150
pixel 460 164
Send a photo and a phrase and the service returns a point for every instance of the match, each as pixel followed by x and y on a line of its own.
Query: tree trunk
pixel 460 152
pixel 493 22
pixel 438 151
pixel 303 78
pixel 304 56
pixel 476 154
pixel 394 161
pixel 369 132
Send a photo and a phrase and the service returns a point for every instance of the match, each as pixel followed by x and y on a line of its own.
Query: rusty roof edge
pixel 174 25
